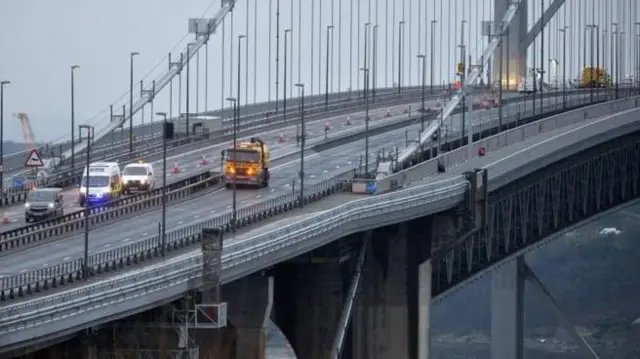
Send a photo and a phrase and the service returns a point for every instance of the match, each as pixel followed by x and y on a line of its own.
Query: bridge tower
pixel 511 60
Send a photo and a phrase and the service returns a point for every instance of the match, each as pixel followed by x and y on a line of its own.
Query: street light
pixel 366 120
pixel 375 62
pixel 564 67
pixel 2 85
pixel 73 120
pixel 87 212
pixel 284 85
pixel 614 48
pixel 326 76
pixel 433 45
pixel 400 27
pixel 424 65
pixel 131 56
pixel 233 158
pixel 163 238
pixel 301 139
pixel 367 26
pixel 594 72
pixel 187 115
pixel 240 37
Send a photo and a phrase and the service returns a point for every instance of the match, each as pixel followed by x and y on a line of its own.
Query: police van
pixel 101 182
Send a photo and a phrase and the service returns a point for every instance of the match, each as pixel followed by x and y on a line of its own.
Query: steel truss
pixel 522 214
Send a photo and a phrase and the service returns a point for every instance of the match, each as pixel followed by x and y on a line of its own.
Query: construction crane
pixel 27 131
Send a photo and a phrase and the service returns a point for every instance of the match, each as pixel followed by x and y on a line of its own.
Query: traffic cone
pixel 387 113
pixel 204 161
pixel 348 122
pixel 328 126
pixel 281 138
pixel 406 109
pixel 176 168
pixel 5 218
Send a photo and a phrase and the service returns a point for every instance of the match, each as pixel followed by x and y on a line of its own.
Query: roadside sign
pixel 34 159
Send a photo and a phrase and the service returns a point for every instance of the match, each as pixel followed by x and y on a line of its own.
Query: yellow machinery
pixel 247 164
pixel 594 77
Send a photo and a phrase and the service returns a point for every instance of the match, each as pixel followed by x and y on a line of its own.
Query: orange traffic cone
pixel 204 161
pixel 328 126
pixel 348 122
pixel 281 138
pixel 176 168
pixel 5 218
pixel 387 113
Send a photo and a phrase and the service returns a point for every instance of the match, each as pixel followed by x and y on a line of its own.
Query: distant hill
pixel 592 276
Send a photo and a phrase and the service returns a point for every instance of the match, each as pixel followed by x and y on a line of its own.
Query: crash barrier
pixel 123 257
pixel 577 112
pixel 250 124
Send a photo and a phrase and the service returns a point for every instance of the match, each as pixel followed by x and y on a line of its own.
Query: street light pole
pixel 73 120
pixel 301 139
pixel 2 85
pixel 424 65
pixel 87 206
pixel 233 158
pixel 366 120
pixel 400 27
pixel 187 114
pixel 131 56
pixel 593 71
pixel 614 63
pixel 284 85
pixel 564 67
pixel 375 62
pixel 163 239
pixel 326 77
pixel 433 45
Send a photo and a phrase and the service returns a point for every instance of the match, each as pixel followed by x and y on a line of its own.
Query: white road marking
pixel 107 245
pixel 180 222
pixel 126 239
pixel 66 259
pixel 145 233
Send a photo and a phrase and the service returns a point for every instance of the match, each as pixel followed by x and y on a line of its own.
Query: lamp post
pixel 238 101
pixel 87 212
pixel 326 74
pixel 614 62
pixel 234 101
pixel 593 71
pixel 366 119
pixel 73 120
pixel 131 56
pixel 424 65
pixel 2 85
pixel 284 85
pixel 367 26
pixel 375 62
pixel 187 114
pixel 400 27
pixel 564 67
pixel 302 137
pixel 433 45
pixel 163 239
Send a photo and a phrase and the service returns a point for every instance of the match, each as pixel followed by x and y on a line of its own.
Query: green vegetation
pixel 591 276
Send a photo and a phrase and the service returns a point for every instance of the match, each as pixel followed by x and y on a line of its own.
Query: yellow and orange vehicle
pixel 247 164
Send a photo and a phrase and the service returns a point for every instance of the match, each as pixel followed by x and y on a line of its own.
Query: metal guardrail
pixel 60 274
pixel 172 276
pixel 119 258
pixel 453 158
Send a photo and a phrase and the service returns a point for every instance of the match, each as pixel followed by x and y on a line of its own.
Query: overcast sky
pixel 41 39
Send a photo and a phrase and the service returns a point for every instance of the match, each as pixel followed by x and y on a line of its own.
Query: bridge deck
pixel 296 215
pixel 490 158
pixel 494 157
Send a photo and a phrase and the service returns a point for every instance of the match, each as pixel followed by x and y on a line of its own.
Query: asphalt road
pixel 318 167
pixel 191 163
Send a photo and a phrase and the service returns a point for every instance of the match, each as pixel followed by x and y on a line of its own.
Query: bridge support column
pixel 309 298
pixel 507 311
pixel 249 302
pixel 513 62
pixel 392 311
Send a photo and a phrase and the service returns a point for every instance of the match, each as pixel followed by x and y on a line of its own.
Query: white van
pixel 526 85
pixel 138 176
pixel 104 185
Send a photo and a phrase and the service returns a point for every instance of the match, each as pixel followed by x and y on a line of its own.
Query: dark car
pixel 43 203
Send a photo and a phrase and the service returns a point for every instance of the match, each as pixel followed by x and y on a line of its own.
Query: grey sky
pixel 42 38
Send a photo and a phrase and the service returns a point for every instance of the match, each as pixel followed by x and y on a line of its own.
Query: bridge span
pixel 346 215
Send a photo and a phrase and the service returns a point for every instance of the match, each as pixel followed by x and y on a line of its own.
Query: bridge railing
pixel 454 158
